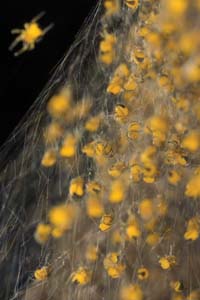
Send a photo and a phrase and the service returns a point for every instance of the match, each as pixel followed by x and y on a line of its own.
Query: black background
pixel 23 77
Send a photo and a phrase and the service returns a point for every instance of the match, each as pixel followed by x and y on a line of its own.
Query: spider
pixel 29 35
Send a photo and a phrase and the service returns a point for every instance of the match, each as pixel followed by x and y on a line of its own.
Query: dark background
pixel 23 77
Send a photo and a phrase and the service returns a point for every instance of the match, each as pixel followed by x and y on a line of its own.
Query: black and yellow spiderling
pixel 31 34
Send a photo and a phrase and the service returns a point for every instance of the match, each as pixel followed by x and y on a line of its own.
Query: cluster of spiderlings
pixel 118 213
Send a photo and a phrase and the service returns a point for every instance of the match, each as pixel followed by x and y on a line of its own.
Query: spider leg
pixel 16 30
pixel 31 46
pixel 49 27
pixel 38 40
pixel 24 48
pixel 14 43
pixel 39 16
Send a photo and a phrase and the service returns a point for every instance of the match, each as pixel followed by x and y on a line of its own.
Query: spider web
pixel 25 187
